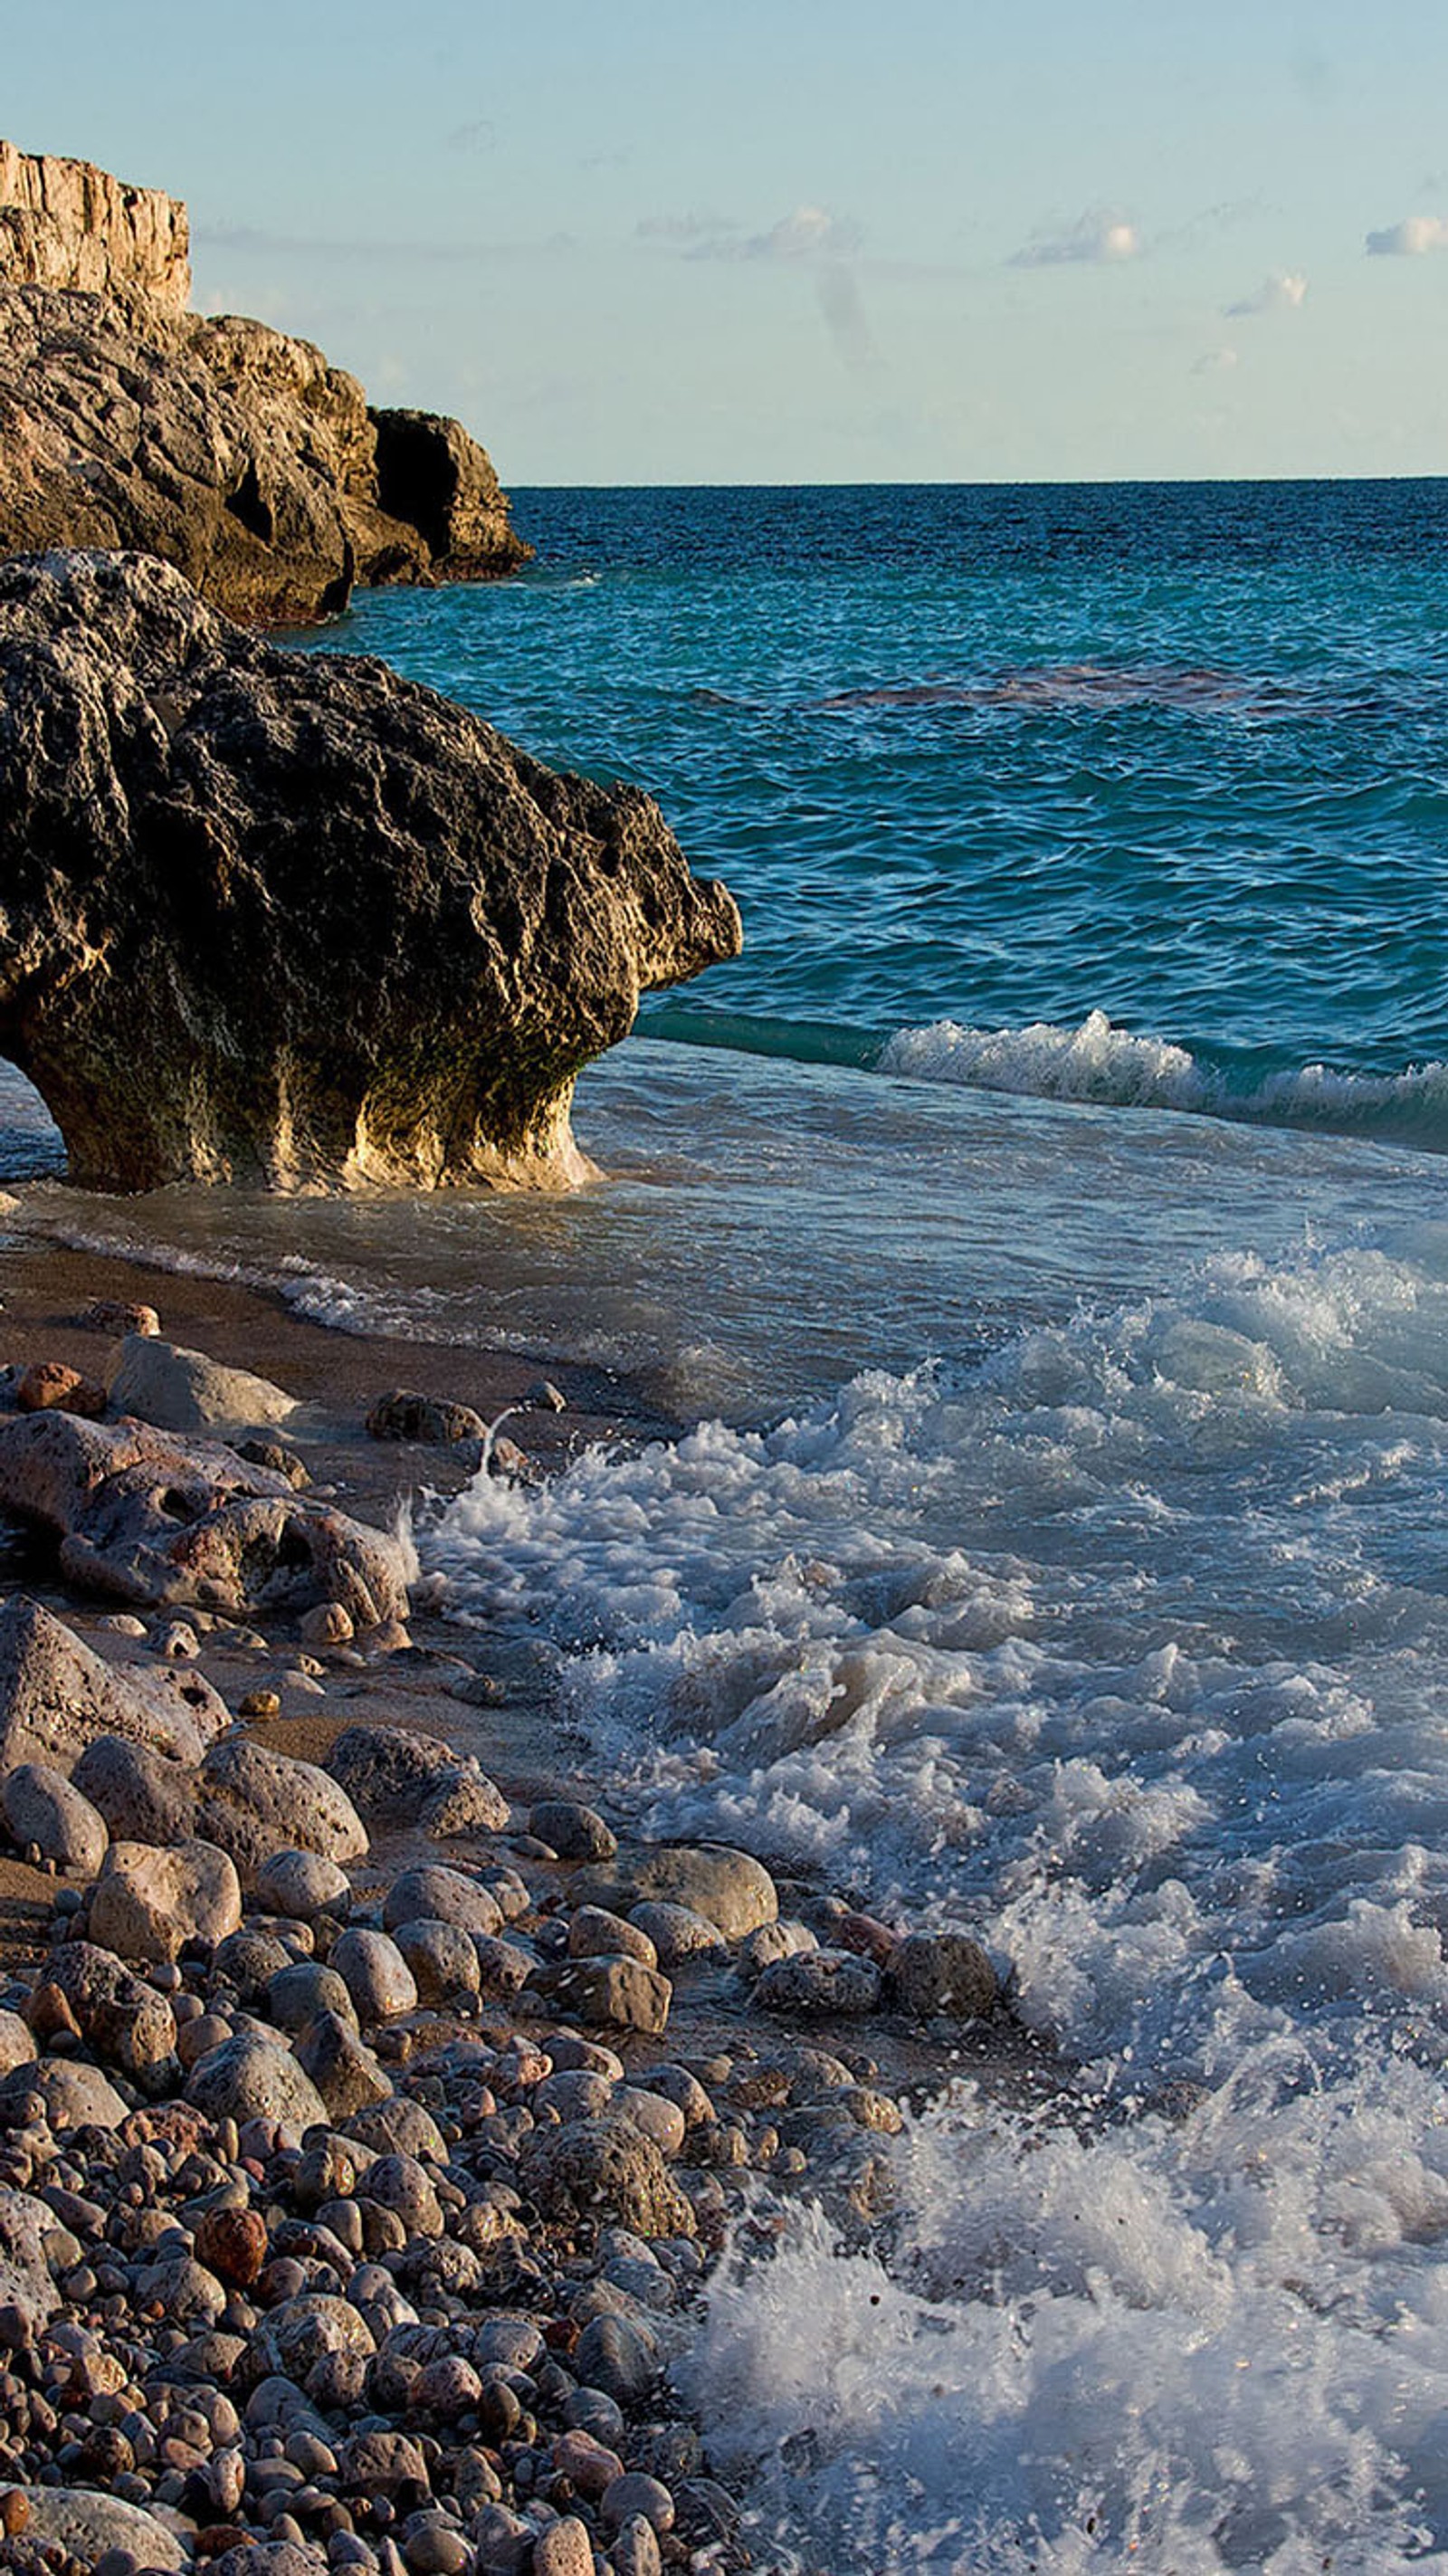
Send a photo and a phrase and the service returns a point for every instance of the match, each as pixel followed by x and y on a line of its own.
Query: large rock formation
pixel 289 918
pixel 233 451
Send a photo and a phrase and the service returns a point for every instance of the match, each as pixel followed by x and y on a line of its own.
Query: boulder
pixel 118 2014
pixel 341 2066
pixel 376 1975
pixel 151 1904
pixel 617 1993
pixel 57 1696
pixel 573 1831
pixel 391 1774
pixel 147 1519
pixel 181 1390
pixel 726 1886
pixel 221 444
pixel 606 2171
pixel 429 1419
pixel 292 919
pixel 252 2078
pixel 820 1984
pixel 25 2282
pixel 300 1883
pixel 294 1803
pixel 88 2527
pixel 44 1808
pixel 76 2096
pixel 941 1974
pixel 144 1796
pixel 437 1894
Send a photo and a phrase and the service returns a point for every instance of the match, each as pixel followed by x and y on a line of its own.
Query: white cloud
pixel 1216 362
pixel 1099 238
pixel 1283 293
pixel 809 238
pixel 1411 239
pixel 685 232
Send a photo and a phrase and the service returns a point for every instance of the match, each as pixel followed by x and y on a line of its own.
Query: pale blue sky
pixel 818 240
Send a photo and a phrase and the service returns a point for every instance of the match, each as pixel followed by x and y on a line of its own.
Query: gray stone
pixel 43 1808
pixel 394 1776
pixel 297 1994
pixel 181 1390
pixel 604 2170
pixel 88 2525
pixel 120 2015
pixel 573 1831
pixel 250 2078
pixel 296 1803
pixel 376 1975
pixel 621 1994
pixel 25 2280
pixel 149 1903
pixel 57 1696
pixel 728 1887
pixel 302 1884
pixel 435 1893
pixel 820 1984
pixel 143 1795
pixel 677 1932
pixel 941 1973
pixel 341 2066
pixel 444 1962
pixel 400 2127
pixel 76 2096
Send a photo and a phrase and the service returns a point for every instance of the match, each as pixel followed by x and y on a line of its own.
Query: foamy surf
pixel 1108 1066
pixel 1129 1646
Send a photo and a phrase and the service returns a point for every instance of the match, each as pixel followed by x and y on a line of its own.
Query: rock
pixel 17 2046
pixel 88 2525
pixel 142 1795
pixel 618 2355
pixel 25 2281
pixel 781 1940
pixel 637 2493
pixel 443 1959
pixel 945 1973
pixel 279 1460
pixel 573 1831
pixel 393 1775
pixel 66 224
pixel 118 2014
pixel 426 1418
pixel 435 1893
pixel 341 2066
pixel 676 1933
pixel 503 1967
pixel 57 1696
pixel 232 2243
pixel 327 1625
pixel 603 2170
pixel 216 442
pixel 49 1382
pixel 564 2549
pixel 820 1983
pixel 303 1884
pixel 297 1994
pixel 181 1390
pixel 43 1808
pixel 294 2337
pixel 280 847
pixel 149 1903
pixel 728 1887
pixel 400 2127
pixel 636 2550
pixel 76 2096
pixel 464 1801
pixel 619 1993
pixel 144 1517
pixel 114 1316
pixel 376 1975
pixel 594 1932
pixel 251 2078
pixel 295 1803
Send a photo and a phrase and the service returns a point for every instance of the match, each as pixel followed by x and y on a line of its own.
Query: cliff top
pixel 65 223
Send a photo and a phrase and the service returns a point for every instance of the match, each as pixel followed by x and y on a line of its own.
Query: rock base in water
pixel 289 919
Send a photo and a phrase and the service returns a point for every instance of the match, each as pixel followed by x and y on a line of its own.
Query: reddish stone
pixel 232 2244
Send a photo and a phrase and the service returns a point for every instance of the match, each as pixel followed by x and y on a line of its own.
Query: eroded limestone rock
pixel 291 919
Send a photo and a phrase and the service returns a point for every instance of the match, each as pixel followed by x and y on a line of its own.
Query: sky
pixel 812 241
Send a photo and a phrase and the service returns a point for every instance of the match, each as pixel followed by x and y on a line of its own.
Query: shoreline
pixel 567 2183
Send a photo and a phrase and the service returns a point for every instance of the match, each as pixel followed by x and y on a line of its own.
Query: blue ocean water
pixel 1040 1236
pixel 1176 755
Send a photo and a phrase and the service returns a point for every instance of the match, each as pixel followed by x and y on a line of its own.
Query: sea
pixel 1039 1237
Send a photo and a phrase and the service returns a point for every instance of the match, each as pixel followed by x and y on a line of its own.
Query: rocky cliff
pixel 289 918
pixel 231 450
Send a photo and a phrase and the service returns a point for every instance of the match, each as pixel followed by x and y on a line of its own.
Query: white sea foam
pixel 1128 1645
pixel 1110 1066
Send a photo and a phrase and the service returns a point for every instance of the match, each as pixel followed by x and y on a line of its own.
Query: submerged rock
pixel 292 919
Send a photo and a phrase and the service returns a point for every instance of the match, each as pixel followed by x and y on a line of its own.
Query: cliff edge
pixel 231 450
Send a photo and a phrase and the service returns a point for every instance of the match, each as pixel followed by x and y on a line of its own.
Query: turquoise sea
pixel 1040 1238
